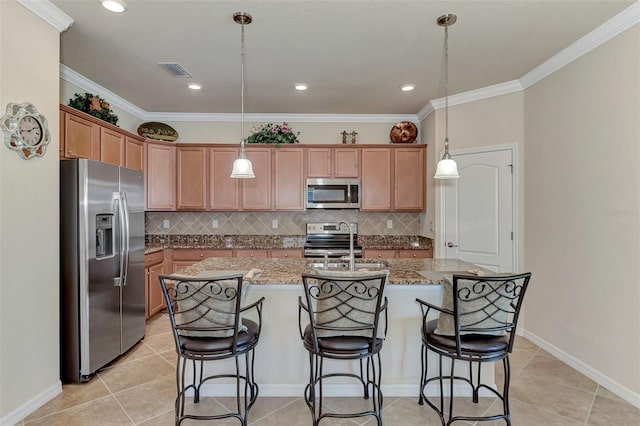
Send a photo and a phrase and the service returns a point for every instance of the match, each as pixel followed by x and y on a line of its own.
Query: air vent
pixel 176 69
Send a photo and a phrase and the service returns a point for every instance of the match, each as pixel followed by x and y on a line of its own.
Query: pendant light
pixel 447 167
pixel 242 167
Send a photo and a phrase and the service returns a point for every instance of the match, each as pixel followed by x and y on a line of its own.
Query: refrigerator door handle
pixel 117 197
pixel 126 236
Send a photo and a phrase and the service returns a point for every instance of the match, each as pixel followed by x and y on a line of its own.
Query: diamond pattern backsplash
pixel 261 223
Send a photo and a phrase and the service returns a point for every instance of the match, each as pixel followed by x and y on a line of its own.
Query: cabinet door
pixel 155 299
pixel 256 253
pixel 160 168
pixel 409 179
pixel 319 162
pixel 224 191
pixel 346 163
pixel 376 179
pixel 133 154
pixel 111 147
pixel 191 176
pixel 178 265
pixel 379 254
pixel 81 138
pixel 61 149
pixel 415 254
pixel 256 192
pixel 289 184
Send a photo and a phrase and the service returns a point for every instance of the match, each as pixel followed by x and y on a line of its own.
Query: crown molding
pixel 49 13
pixel 472 96
pixel 605 32
pixel 292 117
pixel 84 83
pixel 425 111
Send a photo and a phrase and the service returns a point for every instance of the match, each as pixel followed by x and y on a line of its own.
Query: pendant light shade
pixel 447 167
pixel 242 167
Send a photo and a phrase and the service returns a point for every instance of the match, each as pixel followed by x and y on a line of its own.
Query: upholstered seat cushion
pixel 469 343
pixel 246 339
pixel 341 344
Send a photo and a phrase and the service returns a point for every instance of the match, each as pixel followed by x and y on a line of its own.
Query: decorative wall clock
pixel 25 130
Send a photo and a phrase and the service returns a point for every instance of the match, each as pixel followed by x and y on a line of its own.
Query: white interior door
pixel 479 210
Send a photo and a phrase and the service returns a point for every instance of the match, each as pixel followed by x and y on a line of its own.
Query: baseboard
pixel 32 405
pixel 344 390
pixel 623 392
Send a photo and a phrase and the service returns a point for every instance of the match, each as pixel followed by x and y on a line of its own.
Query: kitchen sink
pixel 319 264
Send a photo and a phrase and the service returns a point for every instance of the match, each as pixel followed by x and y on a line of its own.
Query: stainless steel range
pixel 331 239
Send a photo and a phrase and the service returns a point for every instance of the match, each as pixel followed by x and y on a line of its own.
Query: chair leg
pixel 365 382
pixel 451 381
pixel 505 389
pixel 423 374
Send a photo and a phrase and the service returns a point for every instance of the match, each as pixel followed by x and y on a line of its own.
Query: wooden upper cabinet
pixel 319 162
pixel 409 179
pixel 160 169
pixel 256 192
pixel 346 162
pixel 375 185
pixel 333 162
pixel 289 182
pixel 191 177
pixel 133 154
pixel 224 191
pixel 81 138
pixel 111 147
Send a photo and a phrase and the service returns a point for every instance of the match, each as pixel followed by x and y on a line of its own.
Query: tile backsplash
pixel 286 223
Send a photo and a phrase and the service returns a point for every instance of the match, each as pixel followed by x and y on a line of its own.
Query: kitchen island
pixel 282 365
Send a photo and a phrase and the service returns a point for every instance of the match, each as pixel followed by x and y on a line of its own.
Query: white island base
pixel 282 363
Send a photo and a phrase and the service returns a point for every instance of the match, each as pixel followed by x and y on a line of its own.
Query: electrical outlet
pixel 389 224
pixel 431 226
pixel 214 223
pixel 274 223
pixel 166 224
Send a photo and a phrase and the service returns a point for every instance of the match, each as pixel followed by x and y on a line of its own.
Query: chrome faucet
pixel 352 258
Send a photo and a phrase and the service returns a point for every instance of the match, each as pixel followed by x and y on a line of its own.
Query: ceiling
pixel 354 55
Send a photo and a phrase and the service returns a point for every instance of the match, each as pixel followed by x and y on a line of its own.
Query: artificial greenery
pixel 94 105
pixel 272 133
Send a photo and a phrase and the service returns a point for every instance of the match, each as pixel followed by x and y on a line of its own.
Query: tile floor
pixel 139 389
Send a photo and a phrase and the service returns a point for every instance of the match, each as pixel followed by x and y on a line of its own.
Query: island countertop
pixel 288 271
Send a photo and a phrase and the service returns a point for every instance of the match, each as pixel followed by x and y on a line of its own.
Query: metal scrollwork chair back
pixel 476 324
pixel 209 323
pixel 344 312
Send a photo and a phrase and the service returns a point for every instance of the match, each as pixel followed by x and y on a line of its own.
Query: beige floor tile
pixel 149 399
pixel 72 395
pixel 528 415
pixel 159 324
pixel 353 405
pixel 297 414
pixel 554 397
pixel 607 412
pixel 606 393
pixel 165 419
pixel 141 350
pixel 161 342
pixel 407 412
pixel 104 412
pixel 262 407
pixel 542 366
pixel 523 344
pixel 135 373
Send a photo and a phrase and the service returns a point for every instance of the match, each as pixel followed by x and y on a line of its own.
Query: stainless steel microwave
pixel 333 194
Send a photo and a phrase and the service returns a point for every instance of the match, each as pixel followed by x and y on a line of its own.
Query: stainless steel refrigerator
pixel 102 289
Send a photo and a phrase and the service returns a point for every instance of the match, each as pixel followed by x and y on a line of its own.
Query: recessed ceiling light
pixel 194 86
pixel 117 6
pixel 301 86
pixel 407 87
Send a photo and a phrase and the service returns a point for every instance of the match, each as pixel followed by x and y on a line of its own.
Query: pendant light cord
pixel 242 153
pixel 446 91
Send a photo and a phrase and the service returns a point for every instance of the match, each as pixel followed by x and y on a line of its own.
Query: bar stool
pixel 343 310
pixel 206 316
pixel 477 324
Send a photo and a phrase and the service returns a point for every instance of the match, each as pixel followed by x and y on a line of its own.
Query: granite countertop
pixel 288 271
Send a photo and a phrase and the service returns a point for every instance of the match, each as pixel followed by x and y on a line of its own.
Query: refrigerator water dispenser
pixel 104 235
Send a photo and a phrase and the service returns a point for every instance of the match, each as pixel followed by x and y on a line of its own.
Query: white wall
pixel 582 220
pixel 29 344
pixel 488 122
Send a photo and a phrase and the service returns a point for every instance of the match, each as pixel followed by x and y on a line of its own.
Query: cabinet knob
pixel 414 255
pixel 286 255
pixel 250 254
pixel 201 255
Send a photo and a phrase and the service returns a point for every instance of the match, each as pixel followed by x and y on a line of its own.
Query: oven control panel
pixel 331 228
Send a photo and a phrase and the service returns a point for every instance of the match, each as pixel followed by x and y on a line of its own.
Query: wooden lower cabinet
pixel 400 253
pixel 153 294
pixel 257 253
pixel 290 253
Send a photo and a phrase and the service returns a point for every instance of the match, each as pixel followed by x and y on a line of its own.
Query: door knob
pixel 450 244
